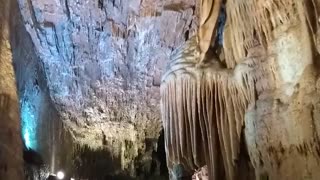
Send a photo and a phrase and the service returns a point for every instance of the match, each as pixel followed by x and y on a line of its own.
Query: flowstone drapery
pixel 203 107
pixel 203 103
pixel 267 47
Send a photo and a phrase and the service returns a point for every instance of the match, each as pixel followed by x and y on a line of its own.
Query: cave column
pixel 281 129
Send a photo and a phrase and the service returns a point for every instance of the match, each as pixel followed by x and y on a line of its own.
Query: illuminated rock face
pixel 88 78
pixel 271 43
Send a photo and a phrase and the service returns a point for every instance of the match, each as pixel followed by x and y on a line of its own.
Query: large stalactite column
pixel 282 128
pixel 11 162
pixel 203 105
pixel 274 40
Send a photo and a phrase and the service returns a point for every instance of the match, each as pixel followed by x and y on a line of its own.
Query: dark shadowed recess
pixel 161 152
pixel 95 164
pixel 100 164
pixel 156 169
pixel 246 169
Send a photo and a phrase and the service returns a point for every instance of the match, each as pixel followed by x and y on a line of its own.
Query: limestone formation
pixel 203 107
pixel 210 10
pixel 240 98
pixel 88 76
pixel 11 161
pixel 269 70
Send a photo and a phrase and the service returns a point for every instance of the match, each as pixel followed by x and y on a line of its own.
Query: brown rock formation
pixel 203 112
pixel 280 127
pixel 88 76
pixel 11 161
pixel 272 43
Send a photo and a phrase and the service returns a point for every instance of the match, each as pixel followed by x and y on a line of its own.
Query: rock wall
pixel 282 127
pixel 89 76
pixel 11 161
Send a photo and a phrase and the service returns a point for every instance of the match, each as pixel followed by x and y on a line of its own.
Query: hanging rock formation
pixel 203 109
pixel 272 44
pixel 89 72
pixel 281 128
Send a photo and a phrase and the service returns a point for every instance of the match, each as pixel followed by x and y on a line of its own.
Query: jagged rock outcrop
pixel 88 76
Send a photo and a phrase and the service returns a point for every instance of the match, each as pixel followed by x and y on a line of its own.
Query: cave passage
pixel 159 89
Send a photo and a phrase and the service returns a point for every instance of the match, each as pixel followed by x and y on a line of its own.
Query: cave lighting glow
pixel 60 175
pixel 29 125
pixel 26 137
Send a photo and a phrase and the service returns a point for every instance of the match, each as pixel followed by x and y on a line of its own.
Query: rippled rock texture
pixel 88 77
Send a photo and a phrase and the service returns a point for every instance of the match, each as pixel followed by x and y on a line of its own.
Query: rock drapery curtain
pixel 203 111
pixel 204 104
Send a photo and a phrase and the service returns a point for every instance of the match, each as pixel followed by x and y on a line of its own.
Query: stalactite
pixel 252 21
pixel 203 103
pixel 203 108
pixel 312 11
pixel 209 15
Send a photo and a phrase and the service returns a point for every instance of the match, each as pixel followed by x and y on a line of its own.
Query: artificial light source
pixel 26 137
pixel 60 175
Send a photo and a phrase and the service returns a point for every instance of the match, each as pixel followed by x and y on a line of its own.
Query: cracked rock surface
pixel 99 65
